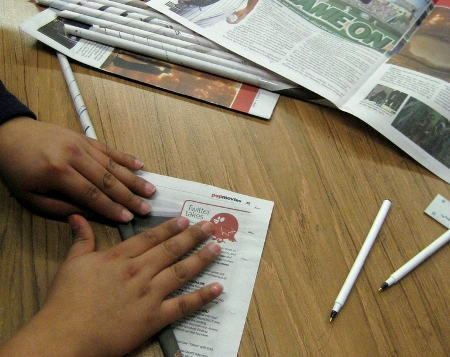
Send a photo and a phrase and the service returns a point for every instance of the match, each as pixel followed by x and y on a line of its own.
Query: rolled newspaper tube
pixel 89 20
pixel 271 85
pixel 148 17
pixel 186 35
pixel 186 52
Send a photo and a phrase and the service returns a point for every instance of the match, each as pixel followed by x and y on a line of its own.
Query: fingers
pixel 178 274
pixel 176 308
pixel 119 164
pixel 116 163
pixel 95 179
pixel 149 239
pixel 51 205
pixel 156 250
pixel 82 190
pixel 158 271
pixel 84 240
pixel 112 182
pixel 172 249
pixel 121 158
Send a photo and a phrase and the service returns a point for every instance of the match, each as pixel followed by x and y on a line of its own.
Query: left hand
pixel 60 172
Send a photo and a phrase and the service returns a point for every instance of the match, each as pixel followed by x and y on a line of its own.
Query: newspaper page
pixel 48 28
pixel 408 98
pixel 384 61
pixel 241 224
pixel 328 46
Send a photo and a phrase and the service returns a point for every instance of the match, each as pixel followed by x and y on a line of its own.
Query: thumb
pixel 83 237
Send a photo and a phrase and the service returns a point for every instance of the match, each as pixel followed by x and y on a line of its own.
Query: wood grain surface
pixel 326 171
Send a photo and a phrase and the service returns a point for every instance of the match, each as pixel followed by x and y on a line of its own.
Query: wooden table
pixel 326 171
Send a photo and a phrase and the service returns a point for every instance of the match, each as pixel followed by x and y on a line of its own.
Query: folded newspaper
pixel 241 224
pixel 385 61
pixel 142 66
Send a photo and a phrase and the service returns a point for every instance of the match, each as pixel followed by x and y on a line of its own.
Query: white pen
pixel 77 99
pixel 417 260
pixel 359 262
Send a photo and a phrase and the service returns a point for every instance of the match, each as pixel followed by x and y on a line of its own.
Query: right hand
pixel 108 303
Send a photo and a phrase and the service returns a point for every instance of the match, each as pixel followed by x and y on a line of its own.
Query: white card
pixel 439 209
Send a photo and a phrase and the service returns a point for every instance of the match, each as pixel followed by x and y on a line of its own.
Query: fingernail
pixel 208 228
pixel 183 222
pixel 216 288
pixel 144 208
pixel 214 248
pixel 73 221
pixel 149 188
pixel 127 215
pixel 139 163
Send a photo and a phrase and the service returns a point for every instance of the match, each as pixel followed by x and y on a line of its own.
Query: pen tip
pixel 383 286
pixel 332 315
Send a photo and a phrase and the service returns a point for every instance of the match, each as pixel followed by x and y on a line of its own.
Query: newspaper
pixel 241 224
pixel 384 61
pixel 48 28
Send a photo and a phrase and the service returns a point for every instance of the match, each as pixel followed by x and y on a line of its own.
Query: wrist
pixel 12 136
pixel 12 124
pixel 43 336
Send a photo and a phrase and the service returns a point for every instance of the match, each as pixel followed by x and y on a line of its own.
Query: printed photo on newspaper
pixel 241 223
pixel 384 61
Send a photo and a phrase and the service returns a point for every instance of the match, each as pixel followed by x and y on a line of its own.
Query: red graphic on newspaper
pixel 225 227
pixel 225 219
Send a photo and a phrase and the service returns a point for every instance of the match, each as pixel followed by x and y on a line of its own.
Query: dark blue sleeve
pixel 11 107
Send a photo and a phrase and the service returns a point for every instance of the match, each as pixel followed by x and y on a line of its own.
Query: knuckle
pixel 131 198
pixel 183 307
pixel 130 271
pixel 181 272
pixel 196 235
pixel 113 166
pixel 136 181
pixel 205 257
pixel 203 298
pixel 171 228
pixel 108 150
pixel 108 180
pixel 111 255
pixel 57 165
pixel 93 193
pixel 173 248
pixel 57 168
pixel 151 236
pixel 73 150
pixel 144 290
